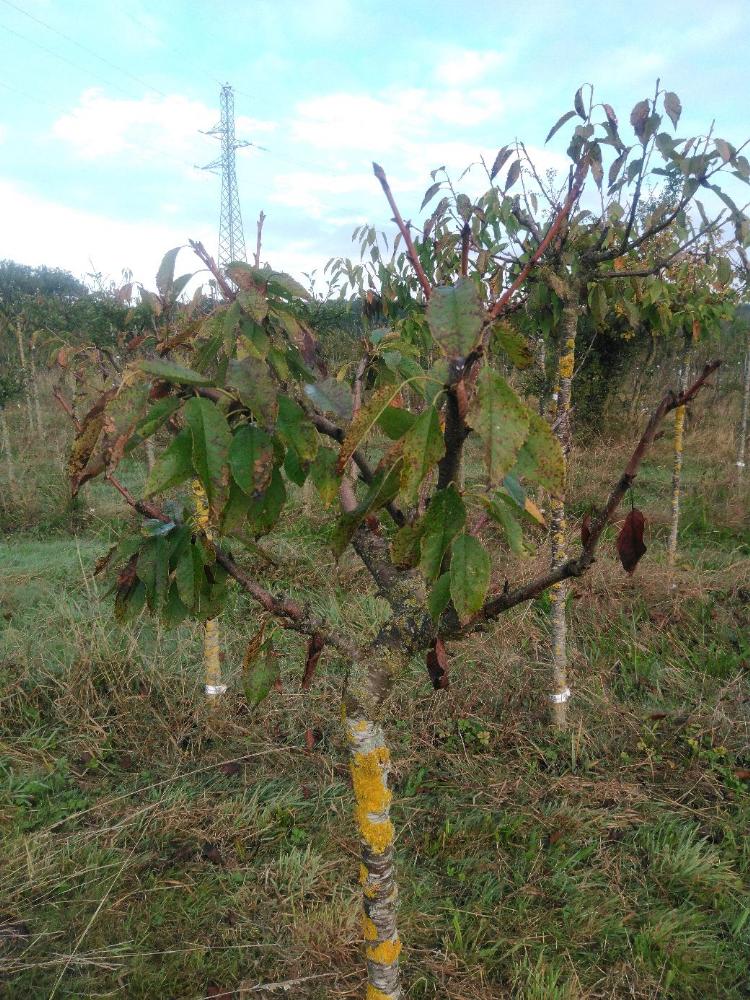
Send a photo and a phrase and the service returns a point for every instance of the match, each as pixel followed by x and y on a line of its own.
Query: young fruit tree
pixel 244 405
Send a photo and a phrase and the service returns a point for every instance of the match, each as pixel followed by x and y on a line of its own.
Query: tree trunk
pixel 742 447
pixel 7 449
pixel 369 762
pixel 35 394
pixel 559 592
pixel 25 374
pixel 150 457
pixel 679 431
pixel 211 654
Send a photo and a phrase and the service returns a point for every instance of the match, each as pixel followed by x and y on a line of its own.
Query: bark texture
pixel 7 449
pixel 742 447
pixel 559 592
pixel 679 434
pixel 369 761
pixel 211 650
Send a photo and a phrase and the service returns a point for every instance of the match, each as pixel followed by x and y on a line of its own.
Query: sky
pixel 102 105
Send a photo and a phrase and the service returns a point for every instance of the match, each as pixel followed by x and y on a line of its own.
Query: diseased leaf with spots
pixel 421 449
pixel 673 107
pixel 502 422
pixel 255 387
pixel 405 546
pixel 541 458
pixel 331 396
pixel 173 467
pixel 469 575
pixel 442 521
pixel 251 459
pixel 630 544
pixel 212 440
pixel 324 476
pixel 455 317
pixel 363 423
pixel 515 345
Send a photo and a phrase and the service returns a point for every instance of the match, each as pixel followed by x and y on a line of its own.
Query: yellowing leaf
pixel 502 422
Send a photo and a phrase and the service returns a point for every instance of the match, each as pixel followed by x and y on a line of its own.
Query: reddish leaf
pixel 210 852
pixel 314 649
pixel 610 113
pixel 743 773
pixel 585 529
pixel 437 665
pixel 630 545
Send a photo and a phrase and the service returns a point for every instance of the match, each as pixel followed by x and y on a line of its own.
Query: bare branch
pixel 227 291
pixel 261 220
pixel 404 230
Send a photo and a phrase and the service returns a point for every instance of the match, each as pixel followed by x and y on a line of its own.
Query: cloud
pixel 145 129
pixel 394 119
pixel 37 230
pixel 461 66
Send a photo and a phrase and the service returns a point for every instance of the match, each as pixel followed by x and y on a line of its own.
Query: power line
pixel 84 48
pixel 62 58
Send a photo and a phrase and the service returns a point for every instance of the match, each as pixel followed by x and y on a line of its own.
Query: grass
pixel 156 848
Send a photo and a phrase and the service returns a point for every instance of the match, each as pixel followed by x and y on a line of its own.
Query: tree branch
pixel 404 230
pixel 261 220
pixel 227 291
pixel 579 565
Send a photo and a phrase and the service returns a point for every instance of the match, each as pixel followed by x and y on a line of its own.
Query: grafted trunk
pixel 369 762
pixel 211 649
pixel 679 433
pixel 742 446
pixel 559 593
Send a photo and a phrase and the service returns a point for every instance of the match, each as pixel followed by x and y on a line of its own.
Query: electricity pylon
pixel 231 235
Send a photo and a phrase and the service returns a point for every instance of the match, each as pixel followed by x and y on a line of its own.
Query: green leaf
pixel 673 107
pixel 253 303
pixel 252 380
pixel 323 475
pixel 541 458
pixel 469 575
pixel 260 674
pixel 212 440
pixel 430 193
pixel 171 372
pixel 173 467
pixel 498 511
pixel 559 124
pixel 439 596
pixel 251 459
pixel 502 422
pixel 186 572
pixel 455 317
pixel 515 490
pixel 405 546
pixel 295 429
pixel 443 520
pixel 395 421
pixel 422 448
pixel 165 274
pixel 295 471
pixel 157 415
pixel 515 345
pixel 174 611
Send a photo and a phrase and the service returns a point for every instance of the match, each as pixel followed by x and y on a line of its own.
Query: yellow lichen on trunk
pixel 369 764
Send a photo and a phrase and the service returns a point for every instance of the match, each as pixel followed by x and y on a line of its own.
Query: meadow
pixel 159 846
